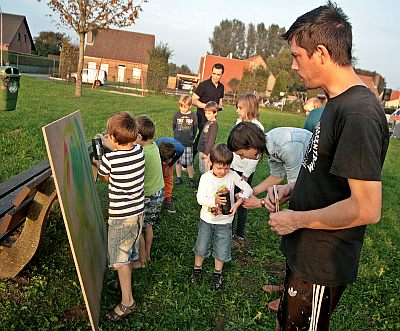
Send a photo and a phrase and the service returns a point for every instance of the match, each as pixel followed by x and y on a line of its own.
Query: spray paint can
pixel 227 206
pixel 97 148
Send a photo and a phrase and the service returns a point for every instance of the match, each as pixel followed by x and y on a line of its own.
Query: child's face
pixel 248 153
pixel 184 108
pixel 210 115
pixel 220 170
pixel 241 111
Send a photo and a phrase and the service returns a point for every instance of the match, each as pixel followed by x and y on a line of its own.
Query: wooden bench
pixel 25 200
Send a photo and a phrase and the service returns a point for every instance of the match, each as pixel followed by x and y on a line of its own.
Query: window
pixel 136 73
pixel 19 36
pixel 25 38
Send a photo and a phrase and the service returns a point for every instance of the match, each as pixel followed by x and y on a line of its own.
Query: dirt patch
pixel 75 313
pixel 220 323
pixel 276 269
pixel 244 260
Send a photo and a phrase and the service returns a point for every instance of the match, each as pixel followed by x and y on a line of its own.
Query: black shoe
pixel 169 206
pixel 192 183
pixel 196 276
pixel 216 281
pixel 178 181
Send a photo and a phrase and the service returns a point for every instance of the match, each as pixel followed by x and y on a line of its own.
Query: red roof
pixel 395 95
pixel 369 81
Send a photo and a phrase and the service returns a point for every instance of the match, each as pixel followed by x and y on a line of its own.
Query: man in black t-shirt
pixel 208 90
pixel 338 190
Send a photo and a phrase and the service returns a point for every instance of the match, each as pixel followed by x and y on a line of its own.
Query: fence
pixel 34 64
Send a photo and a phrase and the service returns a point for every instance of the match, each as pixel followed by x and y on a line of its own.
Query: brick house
pixel 234 69
pixel 394 100
pixel 124 55
pixel 16 34
pixel 371 82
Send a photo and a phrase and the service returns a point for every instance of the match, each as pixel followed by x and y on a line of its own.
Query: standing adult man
pixel 338 190
pixel 208 90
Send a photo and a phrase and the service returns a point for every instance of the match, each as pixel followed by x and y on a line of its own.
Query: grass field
pixel 46 294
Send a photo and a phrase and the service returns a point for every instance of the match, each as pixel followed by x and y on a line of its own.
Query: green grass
pixel 46 294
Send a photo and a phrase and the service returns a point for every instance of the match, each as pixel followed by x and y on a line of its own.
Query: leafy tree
pixel 262 38
pixel 83 16
pixel 274 41
pixel 173 69
pixel 68 58
pixel 251 40
pixel 229 37
pixel 281 84
pixel 48 42
pixel 234 85
pixel 254 80
pixel 157 73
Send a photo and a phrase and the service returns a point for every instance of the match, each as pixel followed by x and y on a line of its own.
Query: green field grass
pixel 46 294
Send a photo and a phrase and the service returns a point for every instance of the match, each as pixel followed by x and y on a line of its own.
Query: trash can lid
pixel 7 70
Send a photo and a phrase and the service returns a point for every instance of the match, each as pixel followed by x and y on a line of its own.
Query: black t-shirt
pixel 350 141
pixel 185 128
pixel 207 137
pixel 207 91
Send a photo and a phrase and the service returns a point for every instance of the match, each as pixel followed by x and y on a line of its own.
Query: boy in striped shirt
pixel 123 168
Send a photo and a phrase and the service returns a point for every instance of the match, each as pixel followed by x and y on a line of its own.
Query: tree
pixel 229 37
pixel 234 85
pixel 83 16
pixel 254 80
pixel 173 69
pixel 262 38
pixel 251 40
pixel 48 42
pixel 274 41
pixel 68 59
pixel 157 72
pixel 281 84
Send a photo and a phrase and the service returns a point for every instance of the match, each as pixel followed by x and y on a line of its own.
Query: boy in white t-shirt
pixel 215 216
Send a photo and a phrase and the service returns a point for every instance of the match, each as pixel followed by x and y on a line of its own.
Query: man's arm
pixel 253 201
pixel 361 208
pixel 196 102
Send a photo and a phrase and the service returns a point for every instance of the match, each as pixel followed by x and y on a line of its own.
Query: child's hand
pixel 220 200
pixel 235 207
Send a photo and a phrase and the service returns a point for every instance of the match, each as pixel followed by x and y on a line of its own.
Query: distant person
pixel 170 152
pixel 184 125
pixel 338 191
pixel 123 168
pixel 314 108
pixel 153 187
pixel 216 189
pixel 208 136
pixel 247 109
pixel 208 90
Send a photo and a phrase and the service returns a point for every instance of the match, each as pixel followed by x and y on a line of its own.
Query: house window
pixel 19 36
pixel 104 66
pixel 25 38
pixel 136 73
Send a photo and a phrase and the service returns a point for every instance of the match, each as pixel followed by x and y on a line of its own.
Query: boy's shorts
pixel 222 234
pixel 187 156
pixel 152 207
pixel 123 239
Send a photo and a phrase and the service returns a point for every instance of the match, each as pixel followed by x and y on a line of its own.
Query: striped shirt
pixel 126 181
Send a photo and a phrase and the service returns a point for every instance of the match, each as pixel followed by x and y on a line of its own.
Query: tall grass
pixel 46 294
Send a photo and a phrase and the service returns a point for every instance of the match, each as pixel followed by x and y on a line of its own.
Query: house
pixel 234 69
pixel 394 100
pixel 16 34
pixel 371 82
pixel 124 55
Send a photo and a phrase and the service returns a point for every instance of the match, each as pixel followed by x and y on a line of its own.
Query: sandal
pixel 113 316
pixel 273 288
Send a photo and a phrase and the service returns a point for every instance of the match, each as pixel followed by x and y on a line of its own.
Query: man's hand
pixel 284 192
pixel 283 222
pixel 252 202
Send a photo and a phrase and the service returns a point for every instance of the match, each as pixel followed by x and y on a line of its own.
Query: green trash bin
pixel 9 86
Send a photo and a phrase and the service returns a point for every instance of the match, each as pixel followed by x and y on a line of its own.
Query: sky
pixel 187 25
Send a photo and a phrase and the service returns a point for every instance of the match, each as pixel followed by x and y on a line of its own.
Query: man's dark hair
pixel 218 66
pixel 221 154
pixel 247 135
pixel 147 128
pixel 167 151
pixel 328 26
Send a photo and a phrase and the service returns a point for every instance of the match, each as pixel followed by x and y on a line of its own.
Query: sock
pixel 217 271
pixel 197 267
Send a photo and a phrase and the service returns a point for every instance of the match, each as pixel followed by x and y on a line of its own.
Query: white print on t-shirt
pixel 292 292
pixel 311 156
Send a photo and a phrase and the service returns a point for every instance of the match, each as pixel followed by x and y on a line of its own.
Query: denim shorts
pixel 152 207
pixel 222 234
pixel 123 239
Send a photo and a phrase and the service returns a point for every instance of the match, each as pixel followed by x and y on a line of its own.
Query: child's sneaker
pixel 196 276
pixel 192 183
pixel 169 206
pixel 178 181
pixel 216 281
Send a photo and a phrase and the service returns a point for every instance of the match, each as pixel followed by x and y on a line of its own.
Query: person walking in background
pixel 208 136
pixel 170 152
pixel 314 108
pixel 123 168
pixel 184 125
pixel 247 108
pixel 214 194
pixel 338 190
pixel 208 90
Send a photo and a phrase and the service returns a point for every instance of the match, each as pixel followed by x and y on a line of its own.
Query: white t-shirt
pixel 209 186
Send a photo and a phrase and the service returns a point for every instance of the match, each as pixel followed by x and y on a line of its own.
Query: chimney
pixel 91 36
pixel 230 56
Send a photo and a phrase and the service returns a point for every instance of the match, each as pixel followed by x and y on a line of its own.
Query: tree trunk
pixel 78 86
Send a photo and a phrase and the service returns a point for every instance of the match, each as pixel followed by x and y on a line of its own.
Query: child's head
pixel 211 110
pixel 185 102
pixel 221 158
pixel 247 107
pixel 167 152
pixel 247 140
pixel 122 128
pixel 146 128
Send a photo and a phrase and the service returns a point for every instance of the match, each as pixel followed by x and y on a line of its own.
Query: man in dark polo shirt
pixel 208 90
